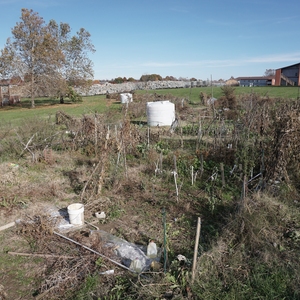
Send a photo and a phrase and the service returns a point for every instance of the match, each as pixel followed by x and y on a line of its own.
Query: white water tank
pixel 126 97
pixel 160 113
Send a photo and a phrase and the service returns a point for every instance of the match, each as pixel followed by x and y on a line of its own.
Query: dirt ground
pixel 31 191
pixel 135 208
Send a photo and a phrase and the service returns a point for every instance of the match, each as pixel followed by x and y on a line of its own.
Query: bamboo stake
pixel 175 164
pixel 196 248
pixel 165 240
pixel 95 136
pixel 116 132
pixel 181 137
pixel 96 252
pixel 156 168
pixel 40 255
pixel 201 167
pixel 160 161
pixel 148 137
pixel 176 187
pixel 199 134
pixel 106 138
pixel 86 184
pixel 7 226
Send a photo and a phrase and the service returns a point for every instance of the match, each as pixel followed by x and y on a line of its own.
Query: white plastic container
pixel 152 250
pixel 136 265
pixel 126 97
pixel 100 215
pixel 160 113
pixel 76 213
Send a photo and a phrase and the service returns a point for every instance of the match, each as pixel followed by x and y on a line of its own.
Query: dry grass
pixel 110 166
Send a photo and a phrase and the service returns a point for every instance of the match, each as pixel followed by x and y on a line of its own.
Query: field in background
pixel 46 107
pixel 193 93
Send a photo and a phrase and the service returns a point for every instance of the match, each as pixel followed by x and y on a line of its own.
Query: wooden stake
pixel 148 137
pixel 7 226
pixel 196 249
pixel 181 136
pixel 201 167
pixel 160 162
pixel 192 175
pixel 175 164
pixel 95 136
pixel 175 175
pixel 222 174
pixel 40 255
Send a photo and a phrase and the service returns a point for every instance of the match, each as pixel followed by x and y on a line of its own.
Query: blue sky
pixel 180 38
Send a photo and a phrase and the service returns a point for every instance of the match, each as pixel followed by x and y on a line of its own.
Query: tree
pixel 269 72
pixel 77 69
pixel 151 77
pixel 228 100
pixel 170 78
pixel 46 57
pixel 117 80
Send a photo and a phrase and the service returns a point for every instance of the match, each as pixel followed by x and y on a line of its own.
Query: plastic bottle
pixel 152 250
pixel 136 265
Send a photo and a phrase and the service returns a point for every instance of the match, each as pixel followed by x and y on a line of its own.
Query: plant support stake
pixel 85 247
pixel 177 193
pixel 165 240
pixel 196 248
pixel 192 175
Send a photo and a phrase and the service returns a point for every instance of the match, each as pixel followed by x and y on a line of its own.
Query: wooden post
pixel 196 249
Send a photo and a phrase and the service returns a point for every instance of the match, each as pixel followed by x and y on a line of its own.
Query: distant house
pixel 9 93
pixel 232 82
pixel 288 76
pixel 256 81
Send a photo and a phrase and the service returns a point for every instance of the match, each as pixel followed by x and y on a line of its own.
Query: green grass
pixel 46 107
pixel 193 93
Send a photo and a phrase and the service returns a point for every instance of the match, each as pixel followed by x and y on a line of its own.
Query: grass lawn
pixel 46 107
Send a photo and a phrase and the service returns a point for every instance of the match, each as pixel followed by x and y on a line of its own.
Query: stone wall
pixel 101 89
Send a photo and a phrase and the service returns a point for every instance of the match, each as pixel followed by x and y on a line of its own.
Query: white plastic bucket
pixel 126 98
pixel 76 213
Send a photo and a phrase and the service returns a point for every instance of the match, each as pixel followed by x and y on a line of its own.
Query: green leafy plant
pixel 162 147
